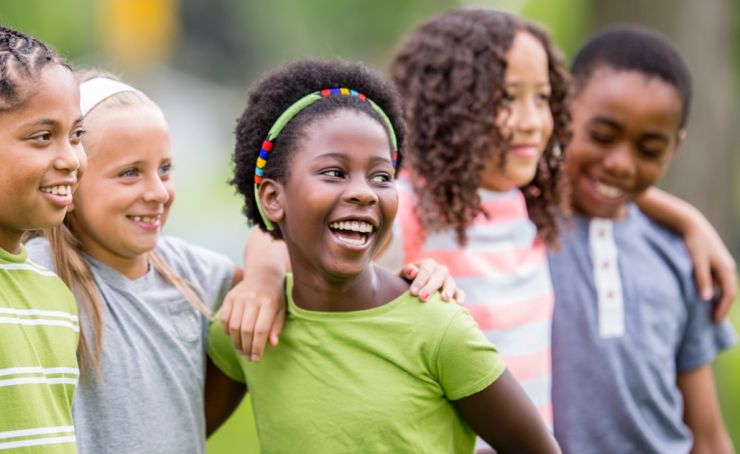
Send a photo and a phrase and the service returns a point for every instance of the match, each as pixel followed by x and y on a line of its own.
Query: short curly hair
pixel 271 96
pixel 451 72
pixel 634 48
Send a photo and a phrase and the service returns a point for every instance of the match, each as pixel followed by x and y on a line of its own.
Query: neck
pixel 131 267
pixel 11 241
pixel 317 292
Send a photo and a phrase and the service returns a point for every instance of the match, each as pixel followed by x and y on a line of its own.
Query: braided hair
pixel 271 96
pixel 22 57
pixel 451 71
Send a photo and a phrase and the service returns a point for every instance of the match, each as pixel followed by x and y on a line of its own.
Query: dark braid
pixel 21 57
pixel 451 71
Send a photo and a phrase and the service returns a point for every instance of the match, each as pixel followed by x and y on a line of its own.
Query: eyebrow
pixel 42 122
pixel 618 126
pixel 517 83
pixel 343 157
pixel 49 122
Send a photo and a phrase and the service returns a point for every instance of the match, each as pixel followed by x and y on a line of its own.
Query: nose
pixel 360 192
pixel 528 116
pixel 156 190
pixel 619 162
pixel 70 158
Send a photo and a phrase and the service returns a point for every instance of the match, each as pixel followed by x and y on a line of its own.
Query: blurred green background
pixel 196 58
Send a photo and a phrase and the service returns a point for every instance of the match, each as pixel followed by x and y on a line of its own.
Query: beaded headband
pixel 290 113
pixel 94 91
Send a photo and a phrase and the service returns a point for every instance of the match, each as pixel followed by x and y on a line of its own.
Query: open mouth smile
pixel 60 194
pixel 150 223
pixel 352 233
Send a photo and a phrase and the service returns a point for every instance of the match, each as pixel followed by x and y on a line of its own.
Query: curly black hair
pixel 271 96
pixel 21 57
pixel 451 72
pixel 634 48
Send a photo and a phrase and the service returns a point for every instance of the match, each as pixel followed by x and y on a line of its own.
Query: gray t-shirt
pixel 614 377
pixel 149 398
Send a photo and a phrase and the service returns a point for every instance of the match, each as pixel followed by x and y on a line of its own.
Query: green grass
pixel 237 435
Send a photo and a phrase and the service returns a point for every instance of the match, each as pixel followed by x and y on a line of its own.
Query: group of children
pixel 586 325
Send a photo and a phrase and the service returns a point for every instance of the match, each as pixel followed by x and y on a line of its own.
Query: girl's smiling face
pixel 123 201
pixel 525 118
pixel 41 154
pixel 339 200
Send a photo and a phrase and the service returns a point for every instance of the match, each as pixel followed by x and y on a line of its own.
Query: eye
pixel 601 137
pixel 335 173
pixel 165 169
pixel 543 98
pixel 381 178
pixel 43 136
pixel 76 135
pixel 506 98
pixel 651 152
pixel 129 173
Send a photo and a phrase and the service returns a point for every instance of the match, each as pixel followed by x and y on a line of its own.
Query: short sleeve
pixel 467 362
pixel 223 353
pixel 703 339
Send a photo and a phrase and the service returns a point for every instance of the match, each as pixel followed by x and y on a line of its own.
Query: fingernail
pixel 255 358
pixel 446 296
pixel 424 295
pixel 409 271
pixel 707 294
pixel 414 290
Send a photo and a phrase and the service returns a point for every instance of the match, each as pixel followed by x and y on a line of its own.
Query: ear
pixel 681 137
pixel 272 200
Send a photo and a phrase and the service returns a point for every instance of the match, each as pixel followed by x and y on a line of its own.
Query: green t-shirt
pixel 39 332
pixel 378 380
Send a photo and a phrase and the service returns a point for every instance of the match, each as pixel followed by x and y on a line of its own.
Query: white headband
pixel 95 90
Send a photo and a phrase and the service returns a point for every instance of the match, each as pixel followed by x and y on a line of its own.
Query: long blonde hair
pixel 75 271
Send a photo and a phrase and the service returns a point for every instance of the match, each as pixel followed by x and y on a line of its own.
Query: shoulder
pixel 664 245
pixel 182 255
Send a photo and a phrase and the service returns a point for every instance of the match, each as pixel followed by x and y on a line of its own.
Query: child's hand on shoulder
pixel 427 276
pixel 253 313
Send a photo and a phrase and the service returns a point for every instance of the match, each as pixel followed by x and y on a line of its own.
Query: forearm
pixel 702 413
pixel 506 419
pixel 669 210
pixel 222 397
pixel 265 256
pixel 717 443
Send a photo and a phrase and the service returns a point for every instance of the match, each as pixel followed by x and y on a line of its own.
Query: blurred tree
pixel 235 41
pixel 64 24
pixel 136 34
pixel 705 170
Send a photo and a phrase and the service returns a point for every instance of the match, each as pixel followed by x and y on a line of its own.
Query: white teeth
pixel 145 219
pixel 353 226
pixel 58 190
pixel 608 191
